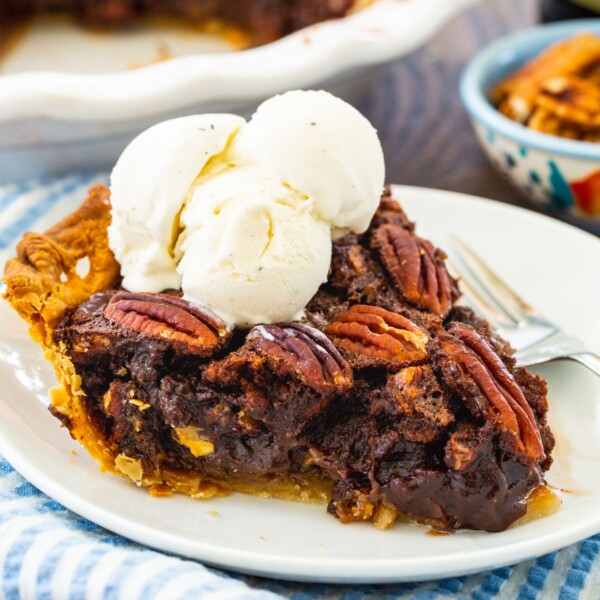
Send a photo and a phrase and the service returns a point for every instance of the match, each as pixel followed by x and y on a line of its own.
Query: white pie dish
pixel 70 118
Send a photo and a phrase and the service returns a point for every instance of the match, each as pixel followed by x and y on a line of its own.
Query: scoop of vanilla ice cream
pixel 148 187
pixel 239 215
pixel 253 249
pixel 322 147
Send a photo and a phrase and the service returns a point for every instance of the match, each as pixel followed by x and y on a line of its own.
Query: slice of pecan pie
pixel 386 399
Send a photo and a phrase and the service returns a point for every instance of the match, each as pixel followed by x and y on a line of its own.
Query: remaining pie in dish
pixel 385 399
pixel 264 20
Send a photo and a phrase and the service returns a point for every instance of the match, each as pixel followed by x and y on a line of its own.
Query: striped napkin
pixel 48 552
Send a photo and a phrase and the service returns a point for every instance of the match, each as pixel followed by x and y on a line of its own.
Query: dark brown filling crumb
pixel 388 389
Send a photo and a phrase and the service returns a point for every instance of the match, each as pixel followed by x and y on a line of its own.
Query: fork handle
pixel 589 360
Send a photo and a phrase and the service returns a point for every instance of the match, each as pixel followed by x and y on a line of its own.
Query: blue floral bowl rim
pixel 475 99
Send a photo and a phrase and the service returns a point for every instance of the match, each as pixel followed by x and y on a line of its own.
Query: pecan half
pixel 304 352
pixel 188 328
pixel 375 336
pixel 416 268
pixel 506 400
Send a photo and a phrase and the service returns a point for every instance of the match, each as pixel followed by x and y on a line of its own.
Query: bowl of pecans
pixel 534 101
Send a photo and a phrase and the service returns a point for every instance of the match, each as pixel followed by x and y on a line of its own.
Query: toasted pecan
pixel 416 267
pixel 558 92
pixel 304 352
pixel 188 328
pixel 374 336
pixel 507 405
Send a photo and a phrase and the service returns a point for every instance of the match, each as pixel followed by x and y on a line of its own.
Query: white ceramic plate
pixel 555 267
pixel 70 101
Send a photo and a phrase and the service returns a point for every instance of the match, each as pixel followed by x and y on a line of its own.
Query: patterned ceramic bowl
pixel 555 172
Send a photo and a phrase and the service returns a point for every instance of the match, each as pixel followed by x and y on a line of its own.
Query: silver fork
pixel 536 339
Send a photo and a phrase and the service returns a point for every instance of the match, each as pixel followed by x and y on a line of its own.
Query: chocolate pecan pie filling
pixel 387 398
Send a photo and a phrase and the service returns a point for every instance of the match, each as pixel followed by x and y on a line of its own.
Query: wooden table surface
pixel 414 104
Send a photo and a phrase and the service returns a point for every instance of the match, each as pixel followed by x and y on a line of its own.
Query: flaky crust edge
pixel 42 283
